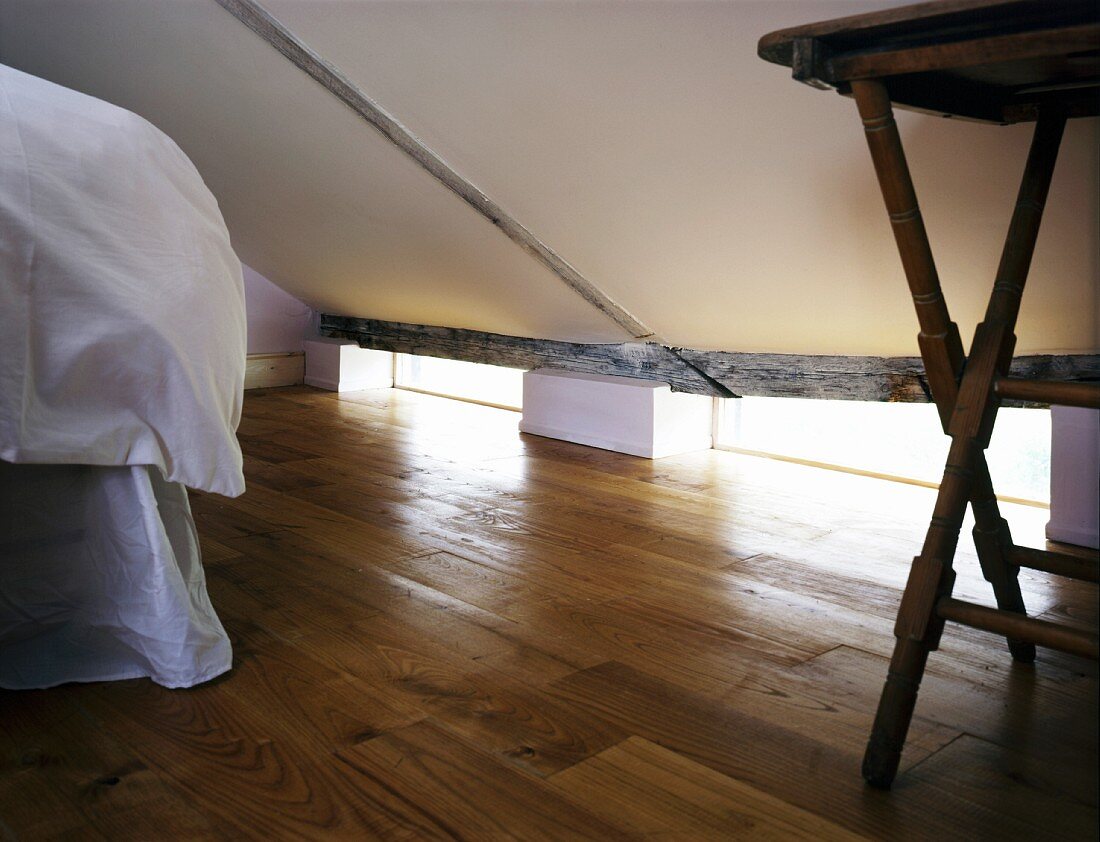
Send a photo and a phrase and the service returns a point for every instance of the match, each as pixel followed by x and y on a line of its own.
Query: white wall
pixel 277 321
pixel 720 202
pixel 1075 476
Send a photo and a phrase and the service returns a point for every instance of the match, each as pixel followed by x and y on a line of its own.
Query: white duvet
pixel 122 329
pixel 122 348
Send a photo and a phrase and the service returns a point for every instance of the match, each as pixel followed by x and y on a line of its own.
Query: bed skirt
pixel 101 579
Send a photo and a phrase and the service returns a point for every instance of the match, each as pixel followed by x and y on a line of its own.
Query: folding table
pixel 996 62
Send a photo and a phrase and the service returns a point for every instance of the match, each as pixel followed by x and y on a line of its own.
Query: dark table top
pixel 991 60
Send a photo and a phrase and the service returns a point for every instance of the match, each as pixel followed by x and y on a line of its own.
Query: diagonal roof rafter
pixel 253 15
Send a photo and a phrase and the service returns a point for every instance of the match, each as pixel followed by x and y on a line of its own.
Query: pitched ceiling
pixel 722 204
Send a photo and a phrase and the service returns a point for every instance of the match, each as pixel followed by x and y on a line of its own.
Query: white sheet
pixel 122 329
pixel 100 580
pixel 122 348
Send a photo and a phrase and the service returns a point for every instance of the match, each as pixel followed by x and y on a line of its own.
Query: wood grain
pixel 256 780
pixel 997 61
pixel 661 793
pixel 462 793
pixel 717 373
pixel 445 629
pixel 64 776
pixel 264 371
pixel 767 756
pixel 1065 733
pixel 513 721
pixel 646 360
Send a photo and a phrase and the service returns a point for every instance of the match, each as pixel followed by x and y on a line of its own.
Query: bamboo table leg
pixel 940 344
pixel 967 408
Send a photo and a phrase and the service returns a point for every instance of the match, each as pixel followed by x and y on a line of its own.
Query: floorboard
pixel 445 629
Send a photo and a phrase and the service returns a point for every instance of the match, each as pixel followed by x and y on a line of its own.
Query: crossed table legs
pixel 966 391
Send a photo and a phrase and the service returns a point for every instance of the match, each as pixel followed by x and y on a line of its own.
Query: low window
pixel 488 384
pixel 895 440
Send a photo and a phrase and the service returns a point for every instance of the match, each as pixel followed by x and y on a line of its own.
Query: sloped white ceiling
pixel 721 203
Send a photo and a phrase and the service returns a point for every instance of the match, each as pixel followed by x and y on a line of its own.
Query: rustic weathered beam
pixel 260 21
pixel 646 360
pixel 858 378
pixel 719 373
pixel 812 376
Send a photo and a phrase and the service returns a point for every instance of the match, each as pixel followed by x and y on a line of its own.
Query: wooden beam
pixel 645 360
pixel 718 373
pixel 894 379
pixel 260 21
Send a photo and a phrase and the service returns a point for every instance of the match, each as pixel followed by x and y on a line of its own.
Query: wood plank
pixel 348 585
pixel 879 587
pixel 1044 722
pixel 511 720
pixel 474 599
pixel 805 622
pixel 257 784
pixel 900 379
pixel 265 449
pixel 216 518
pixel 259 593
pixel 811 706
pixel 646 360
pixel 661 793
pixel 679 513
pixel 265 371
pixel 717 373
pixel 672 585
pixel 695 652
pixel 486 587
pixel 705 540
pixel 259 20
pixel 1077 611
pixel 213 552
pixel 62 775
pixel 738 610
pixel 344 601
pixel 255 426
pixel 549 559
pixel 717 664
pixel 797 770
pixel 245 591
pixel 458 792
pixel 291 692
pixel 329 530
pixel 391 474
pixel 276 476
pixel 390 502
pixel 1056 802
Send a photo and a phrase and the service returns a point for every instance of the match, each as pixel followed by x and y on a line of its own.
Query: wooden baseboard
pixel 265 371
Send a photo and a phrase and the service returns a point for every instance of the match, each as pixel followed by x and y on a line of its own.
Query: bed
pixel 122 346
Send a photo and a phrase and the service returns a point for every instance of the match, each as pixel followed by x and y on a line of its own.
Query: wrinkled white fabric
pixel 101 580
pixel 122 327
pixel 122 348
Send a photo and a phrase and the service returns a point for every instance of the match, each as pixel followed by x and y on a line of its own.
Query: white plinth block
pixel 639 417
pixel 340 365
pixel 1075 476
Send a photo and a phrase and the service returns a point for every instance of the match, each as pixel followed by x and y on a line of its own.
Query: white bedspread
pixel 122 349
pixel 122 329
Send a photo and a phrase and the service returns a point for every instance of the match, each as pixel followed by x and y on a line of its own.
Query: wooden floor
pixel 445 629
